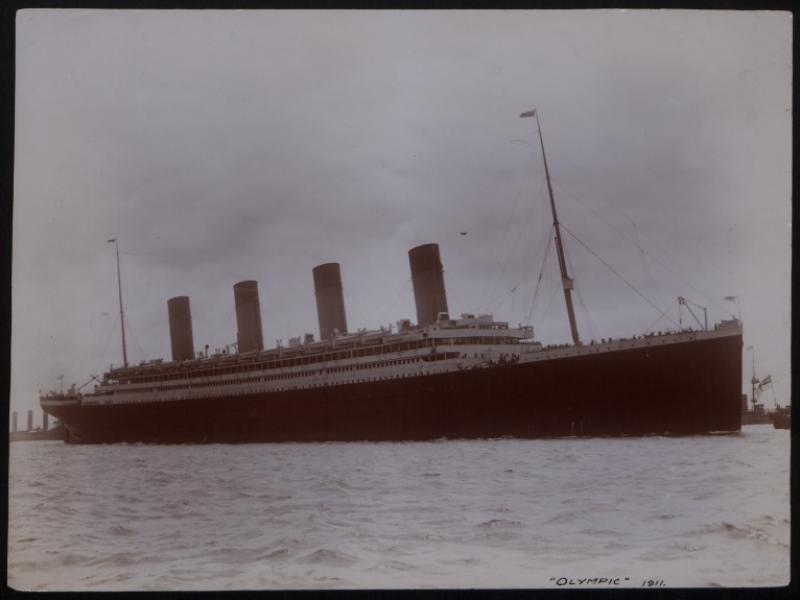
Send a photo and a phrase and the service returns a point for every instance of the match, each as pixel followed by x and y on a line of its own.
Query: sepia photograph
pixel 398 299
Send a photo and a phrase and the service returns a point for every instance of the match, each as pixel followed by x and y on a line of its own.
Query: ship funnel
pixel 248 317
pixel 30 421
pixel 428 280
pixel 330 301
pixel 180 328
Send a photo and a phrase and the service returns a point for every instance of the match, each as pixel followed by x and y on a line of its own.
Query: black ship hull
pixel 685 388
pixel 751 418
pixel 782 419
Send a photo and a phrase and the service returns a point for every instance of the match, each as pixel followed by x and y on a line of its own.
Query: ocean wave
pixel 232 555
pixel 392 565
pixel 563 517
pixel 325 556
pixel 738 531
pixel 496 523
pixel 73 560
pixel 122 559
pixel 281 554
pixel 120 530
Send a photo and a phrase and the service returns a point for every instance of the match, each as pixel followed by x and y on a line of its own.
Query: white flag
pixel 765 383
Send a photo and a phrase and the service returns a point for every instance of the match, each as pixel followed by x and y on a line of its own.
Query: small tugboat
pixel 58 433
pixel 757 415
pixel 38 434
pixel 782 417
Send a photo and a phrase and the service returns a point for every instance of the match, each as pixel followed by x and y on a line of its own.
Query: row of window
pixel 300 374
pixel 205 371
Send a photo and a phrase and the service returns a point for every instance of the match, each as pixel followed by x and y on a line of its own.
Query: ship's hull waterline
pixel 686 388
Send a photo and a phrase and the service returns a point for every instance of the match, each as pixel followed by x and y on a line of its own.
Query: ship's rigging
pixel 568 283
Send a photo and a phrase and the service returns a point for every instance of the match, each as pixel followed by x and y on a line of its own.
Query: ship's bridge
pixel 470 325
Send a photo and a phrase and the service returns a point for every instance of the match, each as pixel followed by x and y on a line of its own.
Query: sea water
pixel 653 511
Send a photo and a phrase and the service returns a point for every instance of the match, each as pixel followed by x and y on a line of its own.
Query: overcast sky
pixel 222 146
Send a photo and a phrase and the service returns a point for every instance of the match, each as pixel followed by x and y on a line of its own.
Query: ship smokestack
pixel 180 328
pixel 45 424
pixel 30 420
pixel 330 301
pixel 248 317
pixel 14 421
pixel 428 280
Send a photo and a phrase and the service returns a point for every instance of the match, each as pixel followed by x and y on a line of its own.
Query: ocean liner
pixel 469 376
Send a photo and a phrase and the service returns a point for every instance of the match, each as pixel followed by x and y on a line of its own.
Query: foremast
pixel 566 280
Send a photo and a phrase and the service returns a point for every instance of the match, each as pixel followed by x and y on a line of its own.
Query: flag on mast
pixel 765 383
pixel 731 298
pixel 112 240
pixel 530 113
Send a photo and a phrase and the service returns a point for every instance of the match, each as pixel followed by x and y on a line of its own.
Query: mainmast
pixel 121 312
pixel 566 280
